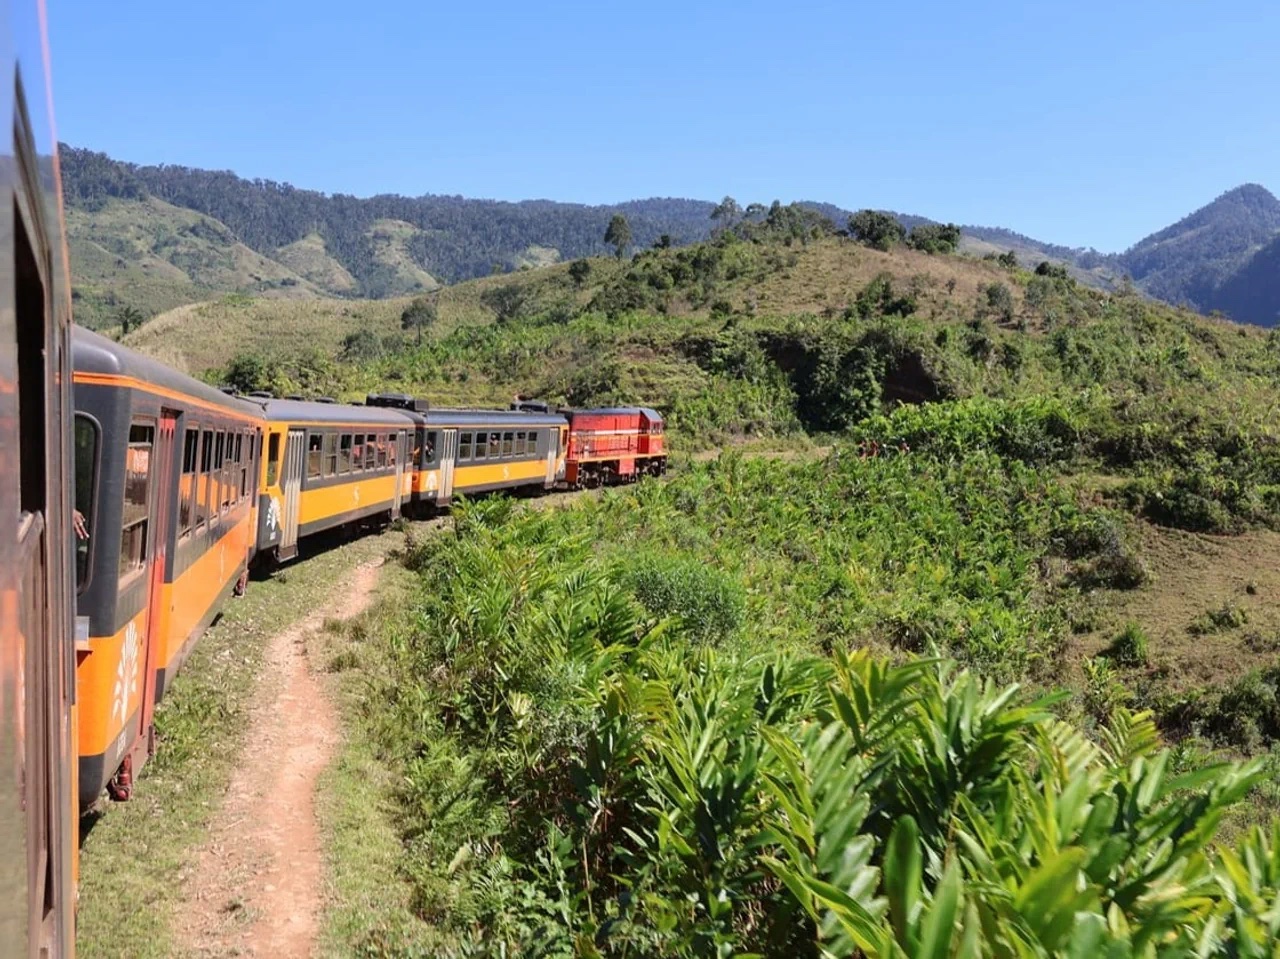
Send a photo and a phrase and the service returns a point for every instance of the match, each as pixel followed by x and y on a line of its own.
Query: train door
pixel 292 484
pixel 553 449
pixel 448 453
pixel 162 480
pixel 398 444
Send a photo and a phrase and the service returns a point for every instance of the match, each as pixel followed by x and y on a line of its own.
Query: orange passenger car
pixel 166 483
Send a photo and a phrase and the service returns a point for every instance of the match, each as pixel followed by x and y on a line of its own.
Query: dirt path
pixel 256 890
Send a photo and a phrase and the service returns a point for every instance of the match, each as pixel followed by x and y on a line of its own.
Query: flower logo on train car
pixel 273 516
pixel 126 673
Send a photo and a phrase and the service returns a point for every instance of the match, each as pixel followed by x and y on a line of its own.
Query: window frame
pixel 193 511
pixel 464 448
pixel 126 578
pixel 482 445
pixel 94 481
pixel 273 459
pixel 495 444
pixel 203 518
pixel 315 446
pixel 330 455
pixel 345 441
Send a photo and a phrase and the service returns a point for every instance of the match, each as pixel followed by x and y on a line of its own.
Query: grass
pixel 154 256
pixel 310 259
pixel 136 854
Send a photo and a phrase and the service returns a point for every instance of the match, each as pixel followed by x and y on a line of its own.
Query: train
pixel 136 500
pixel 181 488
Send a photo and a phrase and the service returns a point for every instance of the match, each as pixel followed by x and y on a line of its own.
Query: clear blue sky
pixel 1083 123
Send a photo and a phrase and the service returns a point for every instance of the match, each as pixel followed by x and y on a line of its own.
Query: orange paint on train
pixel 188 601
pixel 109 684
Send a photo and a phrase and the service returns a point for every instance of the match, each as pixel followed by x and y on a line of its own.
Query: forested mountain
pixel 1190 261
pixel 1252 293
pixel 450 237
pixel 154 237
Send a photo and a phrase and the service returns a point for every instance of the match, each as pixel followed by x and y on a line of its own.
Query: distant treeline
pixel 460 238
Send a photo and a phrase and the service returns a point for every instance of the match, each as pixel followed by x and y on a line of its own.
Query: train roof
pixel 616 410
pixel 93 353
pixel 306 411
pixel 439 417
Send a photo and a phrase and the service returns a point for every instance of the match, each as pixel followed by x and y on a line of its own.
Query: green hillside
pixel 694 713
pixel 152 256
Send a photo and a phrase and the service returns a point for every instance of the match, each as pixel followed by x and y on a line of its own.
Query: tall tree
pixel 726 213
pixel 129 318
pixel 875 229
pixel 618 235
pixel 421 312
pixel 579 270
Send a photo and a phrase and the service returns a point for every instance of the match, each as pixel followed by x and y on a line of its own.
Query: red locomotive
pixel 613 446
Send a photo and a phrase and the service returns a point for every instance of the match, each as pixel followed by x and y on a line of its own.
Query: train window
pixel 357 452
pixel 495 445
pixel 86 462
pixel 371 445
pixel 382 452
pixel 315 450
pixel 520 441
pixel 344 454
pixel 429 450
pixel 200 483
pixel 464 446
pixel 482 445
pixel 244 451
pixel 330 464
pixel 212 488
pixel 187 482
pixel 393 447
pixel 273 459
pixel 219 471
pixel 229 479
pixel 134 520
pixel 508 442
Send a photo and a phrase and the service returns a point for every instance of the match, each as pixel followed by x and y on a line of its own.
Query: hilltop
pixel 1206 260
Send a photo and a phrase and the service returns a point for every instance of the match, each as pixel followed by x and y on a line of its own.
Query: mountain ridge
pixel 183 234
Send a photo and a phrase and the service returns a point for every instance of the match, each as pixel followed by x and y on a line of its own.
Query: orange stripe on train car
pixel 315 505
pixel 189 599
pixel 109 685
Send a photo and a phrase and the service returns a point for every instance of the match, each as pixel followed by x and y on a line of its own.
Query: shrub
pixel 935 238
pixel 999 300
pixel 708 602
pixel 1130 646
pixel 881 231
pixel 1225 617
